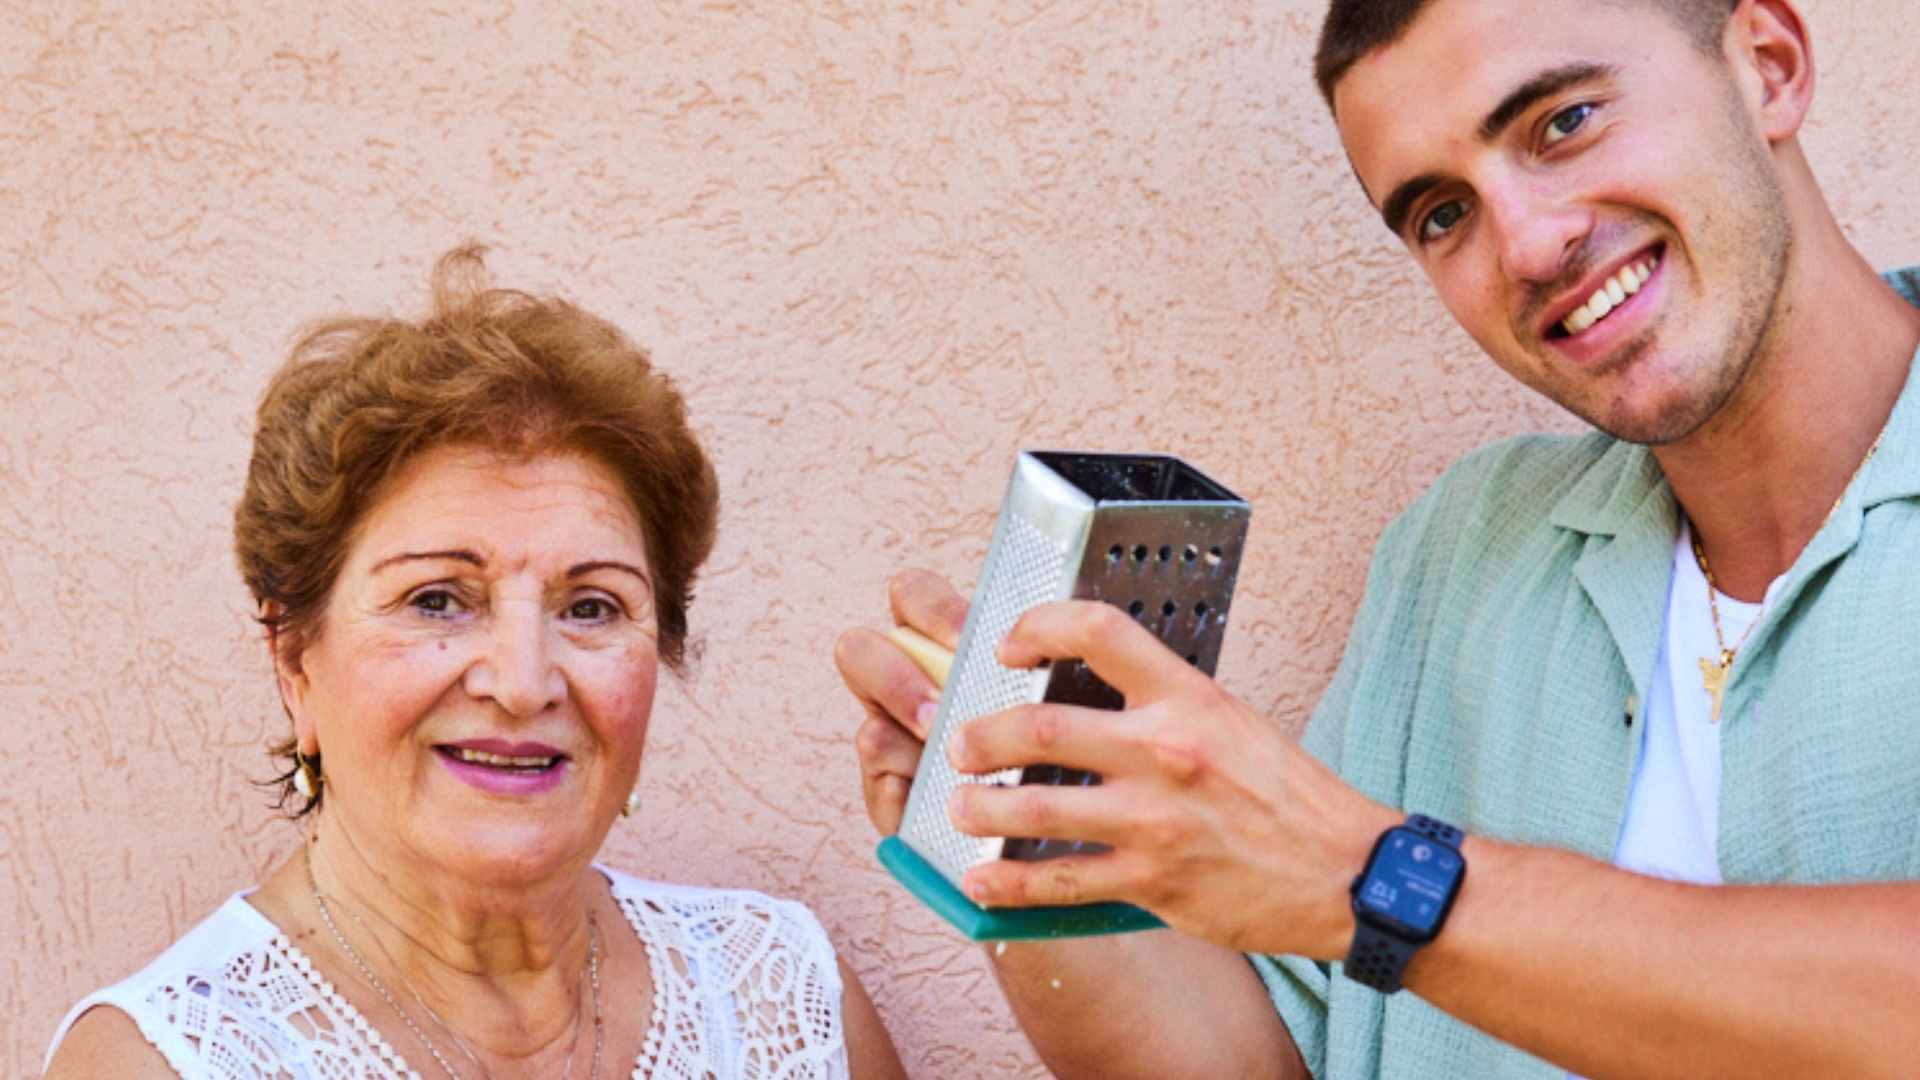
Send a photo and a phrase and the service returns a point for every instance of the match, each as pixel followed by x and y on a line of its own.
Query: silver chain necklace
pixel 590 970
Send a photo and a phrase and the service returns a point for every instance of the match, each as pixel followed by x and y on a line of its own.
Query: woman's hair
pixel 359 398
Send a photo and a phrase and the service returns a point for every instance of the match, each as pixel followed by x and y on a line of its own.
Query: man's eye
pixel 1566 122
pixel 1441 220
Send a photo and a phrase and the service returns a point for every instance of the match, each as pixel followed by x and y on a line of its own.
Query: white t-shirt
pixel 1672 828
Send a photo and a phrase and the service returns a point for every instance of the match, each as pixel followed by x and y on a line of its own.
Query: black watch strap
pixel 1377 958
pixel 1435 830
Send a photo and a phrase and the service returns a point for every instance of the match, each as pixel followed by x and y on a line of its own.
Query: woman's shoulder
pixel 131 1021
pixel 106 1043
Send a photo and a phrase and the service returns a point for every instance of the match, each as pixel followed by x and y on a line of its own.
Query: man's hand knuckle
pixel 1100 622
pixel 1034 809
pixel 1062 884
pixel 1045 727
pixel 874 738
pixel 1162 828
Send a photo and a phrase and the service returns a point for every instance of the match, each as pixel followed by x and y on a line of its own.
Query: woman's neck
pixel 500 969
pixel 469 928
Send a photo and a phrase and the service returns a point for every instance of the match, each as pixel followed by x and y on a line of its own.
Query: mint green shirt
pixel 1511 622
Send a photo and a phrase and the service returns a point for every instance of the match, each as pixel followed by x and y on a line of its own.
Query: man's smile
pixel 1611 294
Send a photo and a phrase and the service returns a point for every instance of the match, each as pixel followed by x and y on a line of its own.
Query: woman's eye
pixel 1441 220
pixel 592 609
pixel 436 602
pixel 1566 122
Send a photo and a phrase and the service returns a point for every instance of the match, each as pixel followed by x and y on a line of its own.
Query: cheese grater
pixel 1148 533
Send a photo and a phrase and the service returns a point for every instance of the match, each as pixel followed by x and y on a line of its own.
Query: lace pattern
pixel 744 986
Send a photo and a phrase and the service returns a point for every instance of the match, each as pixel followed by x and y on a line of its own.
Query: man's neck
pixel 1762 476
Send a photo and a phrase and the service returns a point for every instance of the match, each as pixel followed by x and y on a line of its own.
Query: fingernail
pixel 925 714
pixel 976 892
pixel 957 748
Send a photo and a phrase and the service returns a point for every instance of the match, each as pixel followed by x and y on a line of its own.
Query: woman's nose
pixel 518 669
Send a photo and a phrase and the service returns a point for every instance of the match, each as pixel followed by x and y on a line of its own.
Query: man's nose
pixel 1538 229
pixel 518 669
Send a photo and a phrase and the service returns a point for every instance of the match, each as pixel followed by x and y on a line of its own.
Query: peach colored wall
pixel 883 245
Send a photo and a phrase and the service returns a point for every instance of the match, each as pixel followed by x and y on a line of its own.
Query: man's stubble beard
pixel 1761 241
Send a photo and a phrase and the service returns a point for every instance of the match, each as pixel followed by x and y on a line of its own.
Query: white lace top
pixel 744 986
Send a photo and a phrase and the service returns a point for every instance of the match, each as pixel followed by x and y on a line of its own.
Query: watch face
pixel 1409 885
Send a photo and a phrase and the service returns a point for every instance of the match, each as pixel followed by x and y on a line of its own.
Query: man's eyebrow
pixel 1523 97
pixel 458 555
pixel 1545 84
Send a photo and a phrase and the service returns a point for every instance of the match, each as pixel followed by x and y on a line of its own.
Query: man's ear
pixel 1772 59
pixel 290 675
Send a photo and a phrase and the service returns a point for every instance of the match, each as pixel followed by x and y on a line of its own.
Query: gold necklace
pixel 1714 672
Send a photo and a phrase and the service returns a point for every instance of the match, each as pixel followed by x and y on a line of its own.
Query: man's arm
pixel 1613 974
pixel 1222 826
pixel 1147 1005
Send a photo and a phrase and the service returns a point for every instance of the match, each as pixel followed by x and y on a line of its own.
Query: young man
pixel 1633 666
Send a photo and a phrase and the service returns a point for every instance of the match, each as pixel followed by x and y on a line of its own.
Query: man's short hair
pixel 1354 28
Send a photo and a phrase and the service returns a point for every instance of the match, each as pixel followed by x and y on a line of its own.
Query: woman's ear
pixel 291 677
pixel 1773 58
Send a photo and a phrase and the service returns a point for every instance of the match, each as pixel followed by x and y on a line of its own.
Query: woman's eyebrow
pixel 585 568
pixel 459 555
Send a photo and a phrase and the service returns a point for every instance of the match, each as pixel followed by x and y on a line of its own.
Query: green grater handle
pixel 1006 924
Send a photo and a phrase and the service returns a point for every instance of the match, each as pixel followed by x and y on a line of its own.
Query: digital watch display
pixel 1401 899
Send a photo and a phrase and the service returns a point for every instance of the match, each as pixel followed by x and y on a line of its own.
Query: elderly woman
pixel 473 542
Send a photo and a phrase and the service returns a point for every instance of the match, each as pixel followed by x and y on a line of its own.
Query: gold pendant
pixel 1713 678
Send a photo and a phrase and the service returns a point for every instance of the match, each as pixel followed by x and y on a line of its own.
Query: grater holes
pixel 1019 576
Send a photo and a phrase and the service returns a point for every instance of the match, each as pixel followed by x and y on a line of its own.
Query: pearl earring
pixel 306 777
pixel 633 805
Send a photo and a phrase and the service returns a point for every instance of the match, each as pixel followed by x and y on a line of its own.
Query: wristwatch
pixel 1401 899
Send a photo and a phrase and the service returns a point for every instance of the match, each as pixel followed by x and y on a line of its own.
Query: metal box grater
pixel 1148 533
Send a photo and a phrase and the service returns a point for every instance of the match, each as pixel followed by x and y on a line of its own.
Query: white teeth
pixel 481 757
pixel 1609 295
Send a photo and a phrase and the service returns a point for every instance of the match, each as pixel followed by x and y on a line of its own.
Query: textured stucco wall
pixel 883 245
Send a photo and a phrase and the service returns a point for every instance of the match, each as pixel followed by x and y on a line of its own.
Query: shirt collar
pixel 1894 472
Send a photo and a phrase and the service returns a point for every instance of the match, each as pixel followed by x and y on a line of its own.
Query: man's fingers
pixel 886 750
pixel 1095 740
pixel 1093 812
pixel 886 680
pixel 889 757
pixel 1065 881
pixel 1125 654
pixel 930 604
